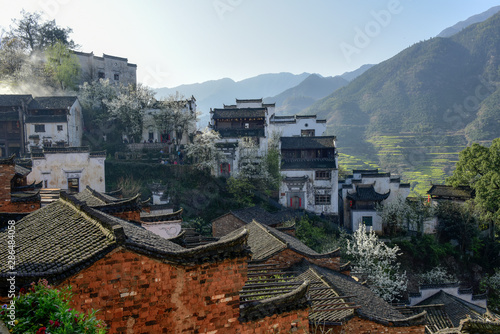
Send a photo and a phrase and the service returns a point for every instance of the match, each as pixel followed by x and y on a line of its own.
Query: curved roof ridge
pixel 291 242
pixel 120 202
pixel 293 300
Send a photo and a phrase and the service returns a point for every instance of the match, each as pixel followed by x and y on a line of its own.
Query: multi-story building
pixel 152 133
pixel 12 110
pixel 28 122
pixel 255 122
pixel 310 169
pixel 117 69
pixel 53 121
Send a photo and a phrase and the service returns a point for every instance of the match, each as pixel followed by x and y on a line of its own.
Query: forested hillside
pixel 426 103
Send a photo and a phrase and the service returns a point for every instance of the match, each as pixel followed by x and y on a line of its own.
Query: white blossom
pixel 376 263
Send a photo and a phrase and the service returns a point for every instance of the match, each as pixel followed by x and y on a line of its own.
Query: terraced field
pixel 421 160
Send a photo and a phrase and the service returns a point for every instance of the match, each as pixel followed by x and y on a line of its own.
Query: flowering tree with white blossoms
pixel 376 263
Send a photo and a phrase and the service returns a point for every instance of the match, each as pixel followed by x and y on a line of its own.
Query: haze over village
pixel 224 167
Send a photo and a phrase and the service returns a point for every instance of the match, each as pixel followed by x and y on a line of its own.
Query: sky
pixel 176 42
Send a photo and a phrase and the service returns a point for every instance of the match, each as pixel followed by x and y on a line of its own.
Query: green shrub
pixel 42 310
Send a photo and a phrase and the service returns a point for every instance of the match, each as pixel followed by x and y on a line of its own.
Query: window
pixel 117 76
pixel 307 133
pixel 59 128
pixel 367 220
pixel 74 185
pixel 100 75
pixel 247 126
pixel 323 175
pixel 322 199
pixel 39 127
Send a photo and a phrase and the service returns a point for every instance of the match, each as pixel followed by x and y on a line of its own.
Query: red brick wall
pixel 19 206
pixel 226 224
pixel 288 257
pixel 128 215
pixel 134 292
pixel 290 322
pixel 363 326
pixel 7 172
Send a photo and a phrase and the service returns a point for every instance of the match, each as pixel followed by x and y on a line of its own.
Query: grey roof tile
pixel 293 143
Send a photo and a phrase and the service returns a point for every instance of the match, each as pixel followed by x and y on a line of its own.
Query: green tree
pixel 37 34
pixel 479 168
pixel 62 65
pixel 242 190
pixel 456 222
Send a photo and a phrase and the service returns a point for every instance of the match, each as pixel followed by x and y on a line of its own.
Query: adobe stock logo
pixel 223 6
pixel 373 28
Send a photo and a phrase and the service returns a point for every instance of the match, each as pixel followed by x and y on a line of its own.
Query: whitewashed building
pixel 362 191
pixel 310 169
pixel 68 168
pixel 297 125
pixel 251 120
pixel 151 133
pixel 53 121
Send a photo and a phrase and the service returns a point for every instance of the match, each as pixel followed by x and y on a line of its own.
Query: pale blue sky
pixel 177 42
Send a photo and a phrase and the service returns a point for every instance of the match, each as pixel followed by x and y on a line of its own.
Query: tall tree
pixel 479 168
pixel 37 34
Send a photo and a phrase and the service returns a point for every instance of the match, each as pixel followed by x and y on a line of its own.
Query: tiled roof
pixel 262 216
pixel 52 102
pixel 88 196
pixel 436 318
pixel 455 308
pixel 249 100
pixel 239 113
pixel 372 307
pixel 54 241
pixel 107 203
pixel 14 100
pixel 478 327
pixel 265 241
pixel 286 302
pixel 318 315
pixel 366 192
pixel 461 192
pixel 67 236
pixel 22 171
pixel 46 118
pixel 8 161
pixel 173 216
pixel 25 196
pixel 294 143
